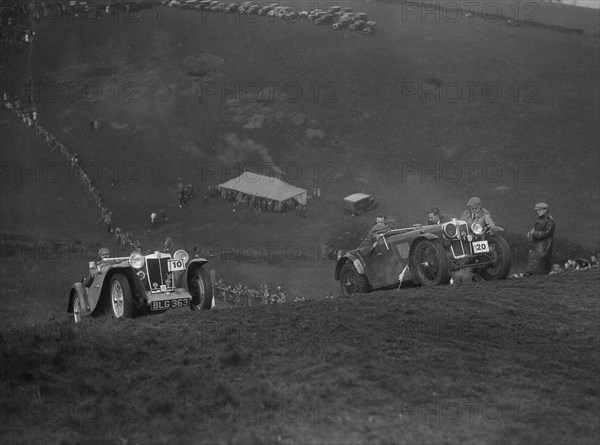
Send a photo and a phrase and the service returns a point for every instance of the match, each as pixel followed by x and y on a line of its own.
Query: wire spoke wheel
pixel 116 298
pixel 352 282
pixel 121 301
pixel 500 255
pixel 429 263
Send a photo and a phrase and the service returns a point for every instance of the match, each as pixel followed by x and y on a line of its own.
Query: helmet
pixel 540 205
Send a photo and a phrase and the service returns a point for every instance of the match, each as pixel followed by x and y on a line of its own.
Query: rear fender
pixel 354 259
pixel 78 290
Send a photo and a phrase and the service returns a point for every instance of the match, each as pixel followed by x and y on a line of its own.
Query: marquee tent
pixel 255 184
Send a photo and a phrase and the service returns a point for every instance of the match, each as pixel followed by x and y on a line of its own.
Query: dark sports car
pixel 424 255
pixel 128 286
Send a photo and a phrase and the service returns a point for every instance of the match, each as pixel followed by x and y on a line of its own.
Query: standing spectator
pixel 540 240
pixel 477 214
pixel 163 215
pixel 108 222
pixel 118 235
pixel 182 199
pixel 169 244
pixel 153 218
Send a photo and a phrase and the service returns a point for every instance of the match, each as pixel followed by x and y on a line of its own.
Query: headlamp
pixel 136 260
pixel 476 228
pixel 181 255
pixel 450 230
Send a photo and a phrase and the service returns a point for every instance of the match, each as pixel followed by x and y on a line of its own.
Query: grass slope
pixel 477 363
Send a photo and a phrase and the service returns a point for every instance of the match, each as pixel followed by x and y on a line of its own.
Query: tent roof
pixel 264 186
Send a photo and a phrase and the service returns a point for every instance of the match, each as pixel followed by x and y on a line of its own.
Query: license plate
pixel 169 304
pixel 175 265
pixel 480 247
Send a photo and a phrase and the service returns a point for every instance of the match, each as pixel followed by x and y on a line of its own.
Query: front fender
pixel 103 291
pixel 193 265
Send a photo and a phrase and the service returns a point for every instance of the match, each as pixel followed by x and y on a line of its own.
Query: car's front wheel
pixel 500 252
pixel 352 282
pixel 121 300
pixel 429 263
pixel 201 290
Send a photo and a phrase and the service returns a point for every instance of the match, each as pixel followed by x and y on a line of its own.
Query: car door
pixel 382 264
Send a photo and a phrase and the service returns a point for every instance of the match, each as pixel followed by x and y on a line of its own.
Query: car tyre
pixel 201 290
pixel 121 300
pixel 352 282
pixel 429 263
pixel 501 251
pixel 76 309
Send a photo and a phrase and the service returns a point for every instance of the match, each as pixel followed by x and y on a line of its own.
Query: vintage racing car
pixel 137 284
pixel 424 255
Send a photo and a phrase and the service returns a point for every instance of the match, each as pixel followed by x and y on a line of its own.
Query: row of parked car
pixel 339 18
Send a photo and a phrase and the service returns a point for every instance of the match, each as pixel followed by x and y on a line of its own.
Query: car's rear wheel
pixel 201 290
pixel 121 300
pixel 352 282
pixel 429 263
pixel 500 251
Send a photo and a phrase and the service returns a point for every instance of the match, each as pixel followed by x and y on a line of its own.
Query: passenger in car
pixel 380 226
pixel 436 217
pixel 103 254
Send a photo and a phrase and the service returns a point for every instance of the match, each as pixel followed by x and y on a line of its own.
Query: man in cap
pixel 477 214
pixel 540 242
pixel 376 230
pixel 379 227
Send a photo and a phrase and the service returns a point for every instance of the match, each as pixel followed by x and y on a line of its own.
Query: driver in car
pixel 477 214
pixel 103 254
pixel 379 228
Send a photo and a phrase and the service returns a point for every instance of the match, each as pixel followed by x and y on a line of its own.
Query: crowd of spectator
pixel 241 295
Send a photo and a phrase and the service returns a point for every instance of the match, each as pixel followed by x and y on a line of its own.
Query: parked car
pixel 359 203
pixel 137 284
pixel 424 255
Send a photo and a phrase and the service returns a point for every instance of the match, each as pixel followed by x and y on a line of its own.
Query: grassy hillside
pixel 478 363
pixel 424 112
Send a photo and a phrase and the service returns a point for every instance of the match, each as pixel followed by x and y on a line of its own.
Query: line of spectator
pixel 30 119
